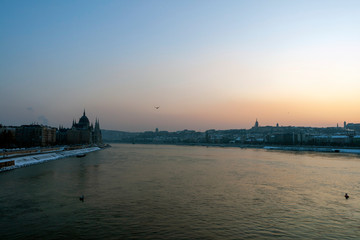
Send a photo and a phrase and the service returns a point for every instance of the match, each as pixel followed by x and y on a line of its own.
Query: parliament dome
pixel 84 121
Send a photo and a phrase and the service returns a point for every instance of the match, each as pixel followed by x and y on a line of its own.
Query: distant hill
pixel 117 136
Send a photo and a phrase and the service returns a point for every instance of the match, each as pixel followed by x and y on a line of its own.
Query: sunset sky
pixel 207 64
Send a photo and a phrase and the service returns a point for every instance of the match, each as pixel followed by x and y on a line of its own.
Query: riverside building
pixel 82 132
pixel 35 135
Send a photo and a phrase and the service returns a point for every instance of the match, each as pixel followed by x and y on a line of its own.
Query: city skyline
pixel 256 124
pixel 206 64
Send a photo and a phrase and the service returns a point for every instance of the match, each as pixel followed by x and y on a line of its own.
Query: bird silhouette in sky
pixel 157 107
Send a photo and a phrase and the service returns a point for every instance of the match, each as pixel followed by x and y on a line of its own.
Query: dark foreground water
pixel 175 192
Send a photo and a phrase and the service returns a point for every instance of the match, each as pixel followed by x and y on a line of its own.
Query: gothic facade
pixel 83 132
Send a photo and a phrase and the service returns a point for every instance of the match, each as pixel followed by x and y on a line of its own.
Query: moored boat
pixel 81 155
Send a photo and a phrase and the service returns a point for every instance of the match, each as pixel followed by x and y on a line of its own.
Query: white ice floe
pixel 315 149
pixel 40 158
pixel 345 150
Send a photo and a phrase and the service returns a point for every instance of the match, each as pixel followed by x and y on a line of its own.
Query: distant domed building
pixel 83 132
pixel 84 121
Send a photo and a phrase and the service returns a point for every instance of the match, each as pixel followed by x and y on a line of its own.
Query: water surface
pixel 180 192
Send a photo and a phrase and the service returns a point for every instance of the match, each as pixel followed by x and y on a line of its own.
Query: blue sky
pixel 207 64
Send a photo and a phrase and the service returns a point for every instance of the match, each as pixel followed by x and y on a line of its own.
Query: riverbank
pixel 27 160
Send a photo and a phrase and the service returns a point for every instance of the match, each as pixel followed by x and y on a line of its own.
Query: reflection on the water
pixel 181 192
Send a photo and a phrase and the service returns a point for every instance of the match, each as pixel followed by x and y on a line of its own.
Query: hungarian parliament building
pixel 81 132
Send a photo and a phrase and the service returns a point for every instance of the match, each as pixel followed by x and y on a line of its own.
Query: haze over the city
pixel 206 64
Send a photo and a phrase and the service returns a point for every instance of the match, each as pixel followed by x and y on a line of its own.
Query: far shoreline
pixel 296 148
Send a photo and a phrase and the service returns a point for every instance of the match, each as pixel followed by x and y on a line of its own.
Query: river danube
pixel 184 192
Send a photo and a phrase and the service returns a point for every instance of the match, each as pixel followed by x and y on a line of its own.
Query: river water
pixel 184 192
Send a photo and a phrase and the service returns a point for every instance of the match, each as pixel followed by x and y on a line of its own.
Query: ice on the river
pixel 40 158
pixel 315 149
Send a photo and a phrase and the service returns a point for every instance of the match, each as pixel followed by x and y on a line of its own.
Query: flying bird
pixel 157 107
